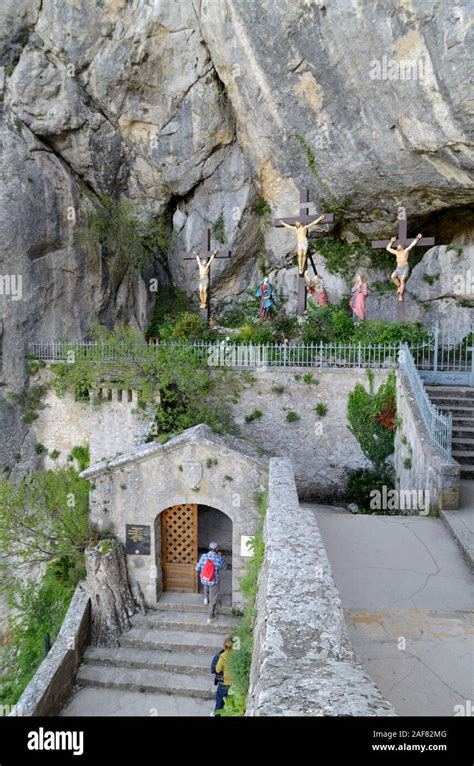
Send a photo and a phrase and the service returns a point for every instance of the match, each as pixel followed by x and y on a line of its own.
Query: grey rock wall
pixel 196 107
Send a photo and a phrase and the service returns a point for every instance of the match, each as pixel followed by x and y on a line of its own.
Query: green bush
pixel 260 332
pixel 321 409
pixel 170 302
pixel 82 455
pixel 366 480
pixel 111 230
pixel 372 331
pixel 292 416
pixel 39 608
pixel 187 326
pixel 327 324
pixel 365 409
pixel 241 659
pixel 255 415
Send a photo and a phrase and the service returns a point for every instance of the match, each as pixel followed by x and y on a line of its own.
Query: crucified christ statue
pixel 400 274
pixel 302 240
pixel 204 265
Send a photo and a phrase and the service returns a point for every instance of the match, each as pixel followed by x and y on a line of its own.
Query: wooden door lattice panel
pixel 179 540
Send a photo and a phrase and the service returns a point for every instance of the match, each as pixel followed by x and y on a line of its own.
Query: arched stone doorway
pixel 182 533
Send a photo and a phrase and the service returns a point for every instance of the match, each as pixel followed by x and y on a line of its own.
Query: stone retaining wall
pixel 420 468
pixel 52 683
pixel 303 661
pixel 322 449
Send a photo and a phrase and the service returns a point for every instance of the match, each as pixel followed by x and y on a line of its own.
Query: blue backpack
pixel 218 677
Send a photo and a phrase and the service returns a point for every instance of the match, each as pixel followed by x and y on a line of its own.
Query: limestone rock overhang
pixel 201 434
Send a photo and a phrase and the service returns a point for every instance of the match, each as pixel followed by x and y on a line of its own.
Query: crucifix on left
pixel 300 224
pixel 204 258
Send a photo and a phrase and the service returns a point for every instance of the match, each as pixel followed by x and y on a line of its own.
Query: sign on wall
pixel 245 547
pixel 137 539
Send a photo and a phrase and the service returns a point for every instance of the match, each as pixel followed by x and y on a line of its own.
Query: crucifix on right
pixel 405 244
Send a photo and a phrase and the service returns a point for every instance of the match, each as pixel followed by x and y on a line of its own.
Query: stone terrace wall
pixel 429 471
pixel 52 683
pixel 321 448
pixel 108 427
pixel 303 661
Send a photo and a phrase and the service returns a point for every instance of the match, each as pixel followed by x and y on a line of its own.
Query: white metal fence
pixel 225 354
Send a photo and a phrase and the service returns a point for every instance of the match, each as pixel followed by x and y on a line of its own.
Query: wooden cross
pixel 206 252
pixel 304 217
pixel 403 238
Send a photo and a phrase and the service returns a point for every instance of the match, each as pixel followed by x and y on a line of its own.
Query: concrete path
pixel 162 667
pixel 408 597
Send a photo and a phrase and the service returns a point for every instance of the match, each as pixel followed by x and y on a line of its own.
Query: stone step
pixel 146 680
pixel 460 430
pixel 463 457
pixel 467 411
pixel 170 640
pixel 174 662
pixel 177 620
pixel 443 402
pixel 189 602
pixel 467 470
pixel 467 441
pixel 451 390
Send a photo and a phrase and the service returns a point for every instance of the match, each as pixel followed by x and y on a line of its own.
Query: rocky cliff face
pixel 203 107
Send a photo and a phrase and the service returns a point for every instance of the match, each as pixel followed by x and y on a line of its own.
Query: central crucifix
pixel 204 258
pixel 301 224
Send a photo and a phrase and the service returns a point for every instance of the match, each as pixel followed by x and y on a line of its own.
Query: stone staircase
pixel 168 651
pixel 459 401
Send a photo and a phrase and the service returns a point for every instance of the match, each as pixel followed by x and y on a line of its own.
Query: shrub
pixel 326 324
pixel 240 659
pixel 308 378
pixel 372 331
pixel 112 230
pixel 292 416
pixel 186 326
pixel 366 480
pixel 364 412
pixel 82 455
pixel 321 409
pixel 39 608
pixel 278 388
pixel 255 415
pixel 259 332
pixel 39 448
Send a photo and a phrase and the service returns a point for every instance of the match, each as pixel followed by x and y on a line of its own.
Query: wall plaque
pixel 138 539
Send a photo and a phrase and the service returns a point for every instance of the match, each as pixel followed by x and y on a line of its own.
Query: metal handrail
pixel 439 425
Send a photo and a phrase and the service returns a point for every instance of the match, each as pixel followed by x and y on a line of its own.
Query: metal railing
pixel 438 424
pixel 227 354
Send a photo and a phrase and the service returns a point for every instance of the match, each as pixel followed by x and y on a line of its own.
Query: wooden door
pixel 179 548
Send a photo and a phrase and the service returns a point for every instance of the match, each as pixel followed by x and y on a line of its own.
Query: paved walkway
pixel 408 597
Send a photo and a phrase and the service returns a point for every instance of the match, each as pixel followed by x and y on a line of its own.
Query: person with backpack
pixel 208 567
pixel 222 676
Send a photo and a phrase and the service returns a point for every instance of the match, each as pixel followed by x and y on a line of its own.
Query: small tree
pixel 42 518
